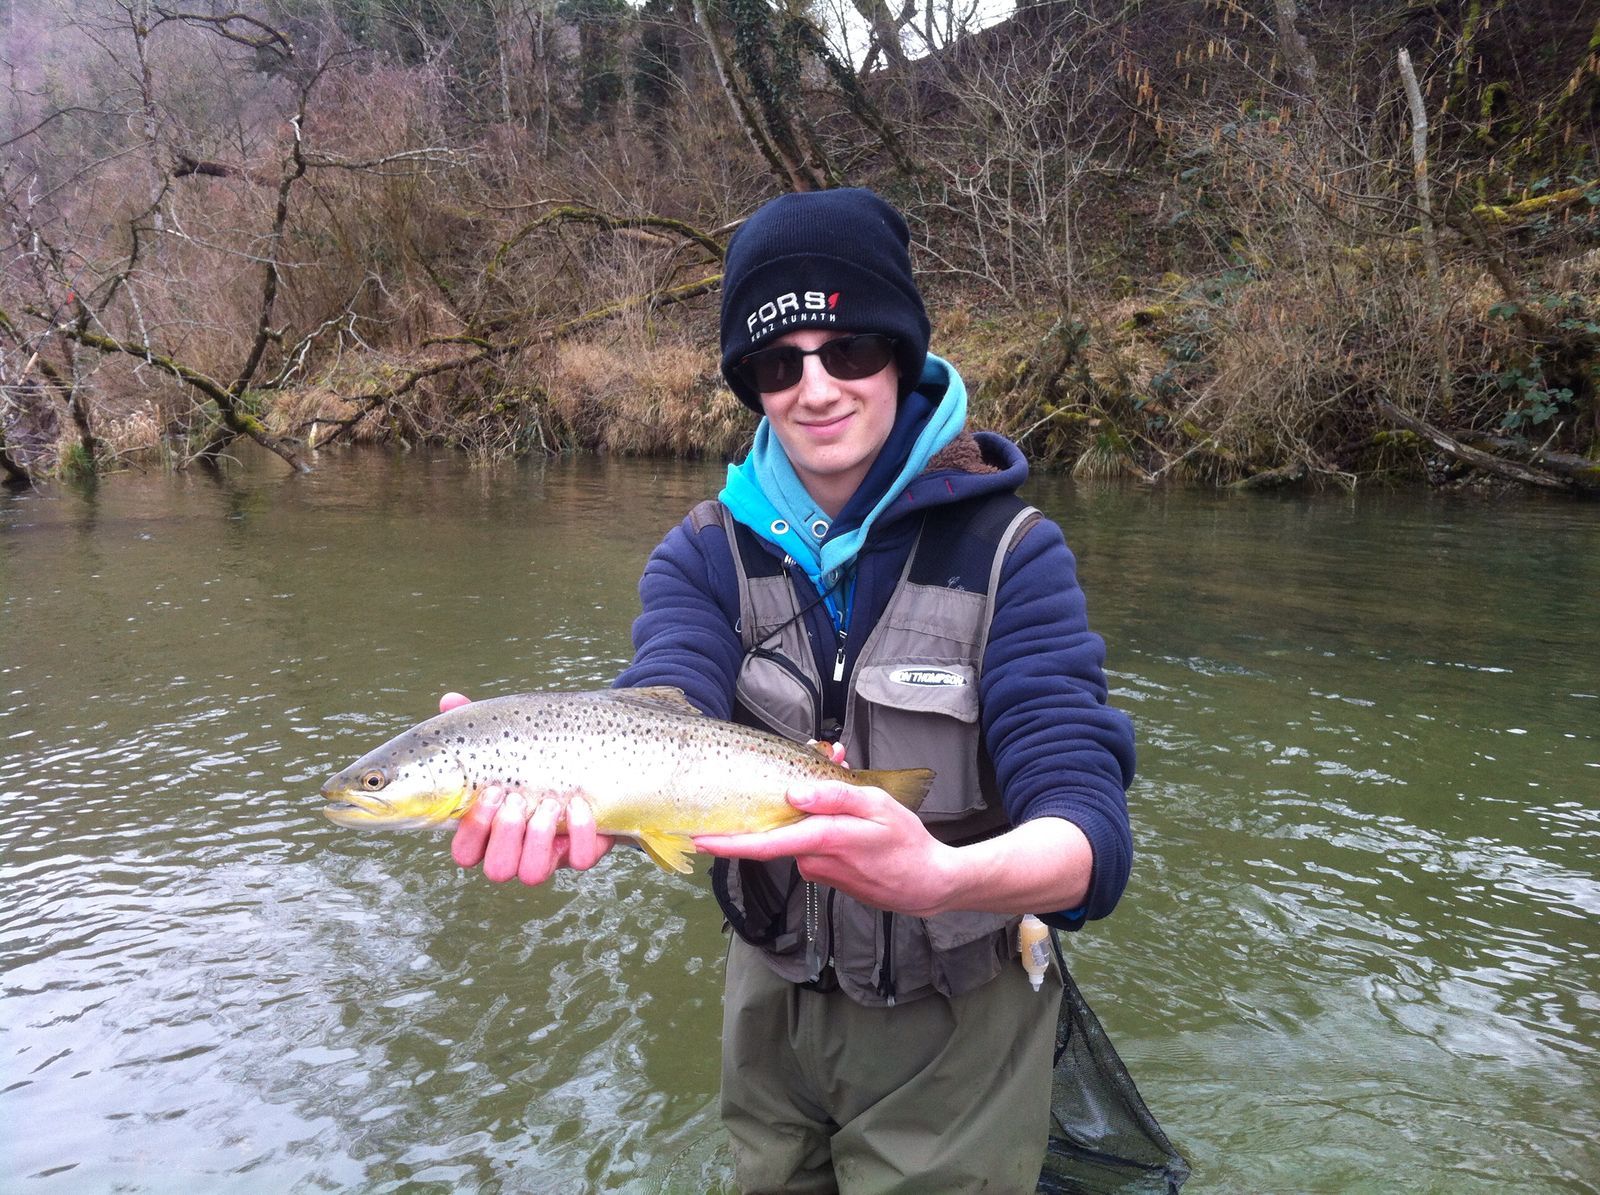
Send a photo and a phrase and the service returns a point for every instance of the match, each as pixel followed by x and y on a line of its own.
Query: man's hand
pixel 526 836
pixel 858 840
pixel 864 843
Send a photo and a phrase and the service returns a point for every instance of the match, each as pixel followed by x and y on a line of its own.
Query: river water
pixel 1359 951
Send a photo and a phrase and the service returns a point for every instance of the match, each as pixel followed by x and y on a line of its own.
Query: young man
pixel 869 578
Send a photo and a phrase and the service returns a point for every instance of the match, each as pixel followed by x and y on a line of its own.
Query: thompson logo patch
pixel 937 678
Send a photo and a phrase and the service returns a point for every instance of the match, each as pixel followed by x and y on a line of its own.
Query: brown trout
pixel 652 767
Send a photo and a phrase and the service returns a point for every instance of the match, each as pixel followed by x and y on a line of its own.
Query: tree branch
pixel 654 301
pixel 265 36
pixel 237 421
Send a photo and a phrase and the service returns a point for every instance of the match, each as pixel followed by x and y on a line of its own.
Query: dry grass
pixel 136 433
pixel 645 398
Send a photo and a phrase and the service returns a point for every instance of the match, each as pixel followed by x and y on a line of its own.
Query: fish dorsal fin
pixel 659 697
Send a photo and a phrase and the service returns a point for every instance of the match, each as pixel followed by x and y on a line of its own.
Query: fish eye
pixel 373 779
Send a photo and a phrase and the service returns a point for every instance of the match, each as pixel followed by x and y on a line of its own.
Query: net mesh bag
pixel 1103 1138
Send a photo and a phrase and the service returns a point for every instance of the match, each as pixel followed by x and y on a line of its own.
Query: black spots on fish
pixel 461 738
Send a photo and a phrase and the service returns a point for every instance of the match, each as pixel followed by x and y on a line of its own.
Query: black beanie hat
pixel 821 259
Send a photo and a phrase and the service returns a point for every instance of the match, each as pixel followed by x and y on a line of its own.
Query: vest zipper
pixel 831 894
pixel 842 630
pixel 813 956
pixel 886 965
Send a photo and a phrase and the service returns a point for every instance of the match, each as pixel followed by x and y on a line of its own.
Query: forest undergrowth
pixel 1255 245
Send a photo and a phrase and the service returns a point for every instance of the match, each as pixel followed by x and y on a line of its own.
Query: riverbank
pixel 1251 376
pixel 1183 244
pixel 1255 376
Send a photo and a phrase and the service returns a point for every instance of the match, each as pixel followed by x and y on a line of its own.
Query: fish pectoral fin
pixel 670 851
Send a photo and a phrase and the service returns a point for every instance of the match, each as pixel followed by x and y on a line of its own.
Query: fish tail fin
pixel 906 785
pixel 670 851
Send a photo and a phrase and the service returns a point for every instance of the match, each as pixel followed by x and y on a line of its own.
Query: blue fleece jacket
pixel 1059 750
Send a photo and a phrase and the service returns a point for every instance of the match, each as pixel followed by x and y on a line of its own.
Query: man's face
pixel 832 430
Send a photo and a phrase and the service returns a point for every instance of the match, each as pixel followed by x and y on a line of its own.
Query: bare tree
pixel 127 294
pixel 1020 139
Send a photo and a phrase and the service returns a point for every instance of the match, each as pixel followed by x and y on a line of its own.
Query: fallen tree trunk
pixel 1539 205
pixel 1274 479
pixel 572 213
pixel 1477 458
pixel 1583 472
pixel 654 300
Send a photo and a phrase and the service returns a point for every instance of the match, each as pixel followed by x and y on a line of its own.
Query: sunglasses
pixel 849 358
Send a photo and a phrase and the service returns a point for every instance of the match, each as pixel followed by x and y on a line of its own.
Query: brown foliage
pixel 1154 245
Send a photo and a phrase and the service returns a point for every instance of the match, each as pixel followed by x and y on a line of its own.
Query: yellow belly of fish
pixel 664 827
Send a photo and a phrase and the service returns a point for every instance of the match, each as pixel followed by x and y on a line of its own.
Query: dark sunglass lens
pixel 853 357
pixel 848 358
pixel 774 369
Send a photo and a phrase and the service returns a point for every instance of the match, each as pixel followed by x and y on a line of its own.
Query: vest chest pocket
pixel 779 694
pixel 924 715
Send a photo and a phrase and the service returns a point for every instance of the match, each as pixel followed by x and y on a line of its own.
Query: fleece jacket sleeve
pixel 1059 749
pixel 684 634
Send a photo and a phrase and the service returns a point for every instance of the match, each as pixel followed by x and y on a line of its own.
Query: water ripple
pixel 1361 911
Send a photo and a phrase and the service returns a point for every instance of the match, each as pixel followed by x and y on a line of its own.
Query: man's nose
pixel 816 383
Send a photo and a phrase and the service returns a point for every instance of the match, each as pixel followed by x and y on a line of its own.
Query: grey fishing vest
pixel 912 701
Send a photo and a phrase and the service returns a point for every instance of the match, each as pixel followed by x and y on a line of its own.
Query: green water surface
pixel 1359 950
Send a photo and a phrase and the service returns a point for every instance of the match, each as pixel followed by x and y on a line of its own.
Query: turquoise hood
pixel 764 493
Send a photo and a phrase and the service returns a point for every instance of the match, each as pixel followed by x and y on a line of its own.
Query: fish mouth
pixel 367 811
pixel 357 809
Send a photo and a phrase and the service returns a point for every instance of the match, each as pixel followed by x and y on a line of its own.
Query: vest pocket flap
pixel 948 931
pixel 948 689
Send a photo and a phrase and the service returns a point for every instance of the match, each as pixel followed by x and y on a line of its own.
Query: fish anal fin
pixel 661 697
pixel 671 852
pixel 906 785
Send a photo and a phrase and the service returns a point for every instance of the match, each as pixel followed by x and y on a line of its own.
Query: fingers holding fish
pixel 528 837
pixel 542 848
pixel 585 844
pixel 502 856
pixel 856 839
pixel 453 700
pixel 472 832
pixel 522 840
pixel 491 833
pixel 560 833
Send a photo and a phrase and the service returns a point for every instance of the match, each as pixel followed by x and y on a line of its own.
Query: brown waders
pixel 941 1094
